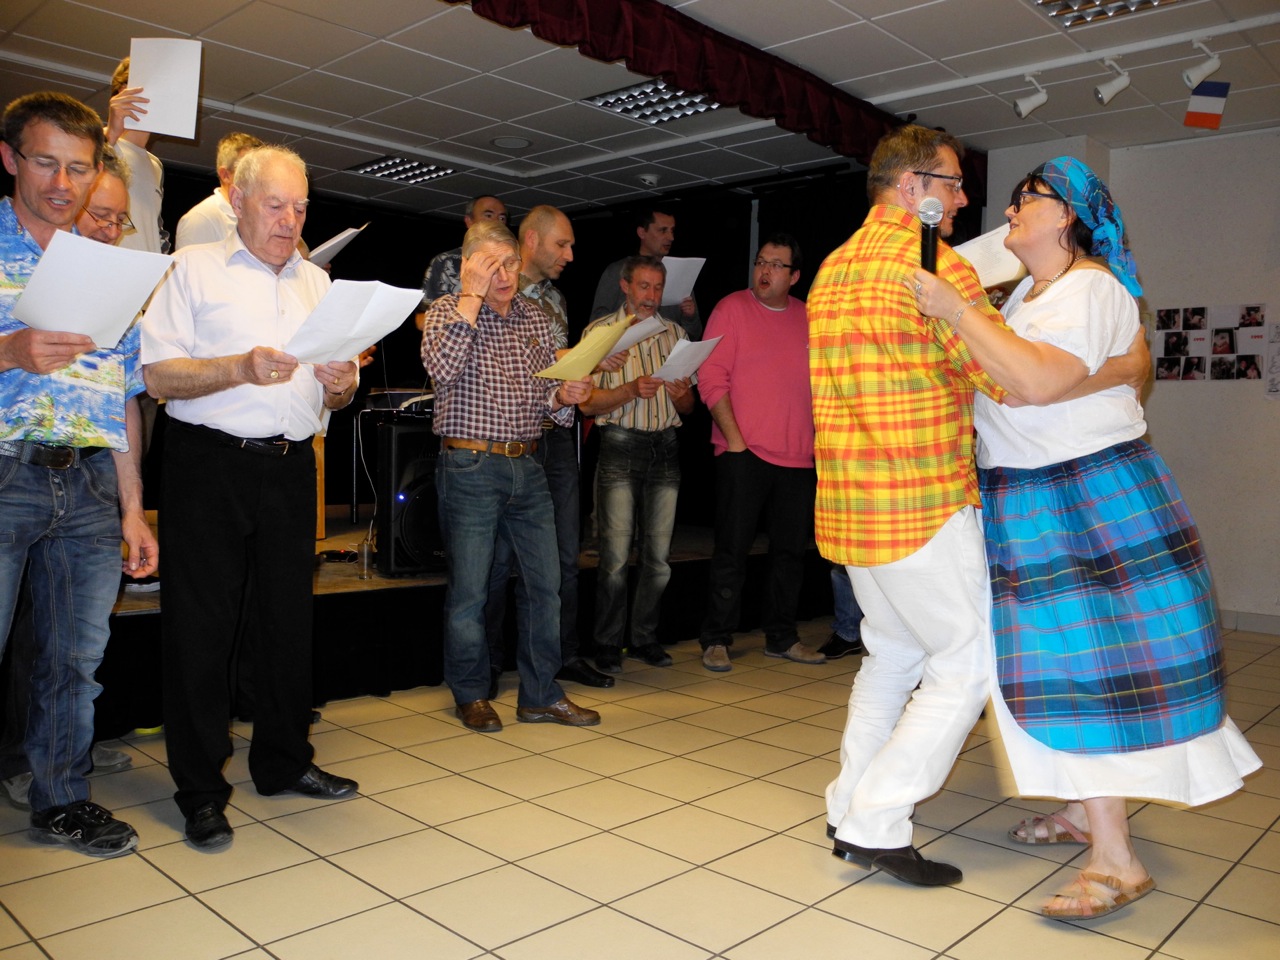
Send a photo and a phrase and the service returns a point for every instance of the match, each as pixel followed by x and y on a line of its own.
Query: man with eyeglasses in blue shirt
pixel 64 505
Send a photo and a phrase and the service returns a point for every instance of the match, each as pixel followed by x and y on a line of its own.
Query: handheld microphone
pixel 930 212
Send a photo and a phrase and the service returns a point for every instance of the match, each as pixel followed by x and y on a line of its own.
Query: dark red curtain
pixel 657 41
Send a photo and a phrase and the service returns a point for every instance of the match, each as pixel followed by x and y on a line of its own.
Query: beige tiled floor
pixel 689 824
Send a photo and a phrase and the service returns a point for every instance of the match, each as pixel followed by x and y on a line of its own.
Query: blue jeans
pixel 558 453
pixel 66 525
pixel 483 498
pixel 639 480
pixel 848 619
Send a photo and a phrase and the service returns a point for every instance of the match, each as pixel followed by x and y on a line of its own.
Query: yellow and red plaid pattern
pixel 892 396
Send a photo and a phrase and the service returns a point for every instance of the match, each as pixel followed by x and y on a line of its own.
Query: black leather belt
pixel 276 446
pixel 45 454
pixel 504 448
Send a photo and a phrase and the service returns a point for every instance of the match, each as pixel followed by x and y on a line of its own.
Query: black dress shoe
pixel 650 653
pixel 316 783
pixel 905 863
pixel 208 827
pixel 831 831
pixel 837 647
pixel 579 671
pixel 609 661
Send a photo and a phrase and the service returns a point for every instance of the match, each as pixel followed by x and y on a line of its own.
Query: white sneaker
pixel 19 790
pixel 105 759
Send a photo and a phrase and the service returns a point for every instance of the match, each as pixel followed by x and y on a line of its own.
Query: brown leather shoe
pixel 478 715
pixel 562 711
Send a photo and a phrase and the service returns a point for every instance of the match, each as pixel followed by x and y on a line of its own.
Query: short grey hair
pixel 250 169
pixel 488 231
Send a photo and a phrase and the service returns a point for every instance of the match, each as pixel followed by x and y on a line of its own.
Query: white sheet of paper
pixel 121 280
pixel 682 273
pixel 637 332
pixel 354 315
pixel 597 344
pixel 993 261
pixel 685 358
pixel 322 254
pixel 168 71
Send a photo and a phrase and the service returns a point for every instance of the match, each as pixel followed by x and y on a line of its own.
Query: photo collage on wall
pixel 1227 342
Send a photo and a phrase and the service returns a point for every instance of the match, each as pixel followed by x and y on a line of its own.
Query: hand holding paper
pixel 685 358
pixel 598 343
pixel 169 70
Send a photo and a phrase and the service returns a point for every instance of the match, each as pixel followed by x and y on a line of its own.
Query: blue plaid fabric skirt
pixel 1105 628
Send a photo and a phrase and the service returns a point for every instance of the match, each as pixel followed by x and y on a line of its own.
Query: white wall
pixel 1203 218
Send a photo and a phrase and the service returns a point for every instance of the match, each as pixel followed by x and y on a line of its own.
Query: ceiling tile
pixel 266 29
pixel 388 137
pixel 14 11
pixel 483 139
pixel 337 94
pixel 16 45
pixel 188 18
pixel 399 68
pixel 288 110
pixel 1162 21
pixel 16 79
pixel 378 19
pixel 950 28
pixel 578 121
pixel 503 99
pixel 319 152
pixel 786 151
pixel 230 74
pixel 646 136
pixel 827 55
pixel 766 24
pixel 429 119
pixel 86 29
pixel 574 154
pixel 716 164
pixel 567 73
pixel 460 36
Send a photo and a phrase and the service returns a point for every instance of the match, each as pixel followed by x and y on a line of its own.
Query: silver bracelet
pixel 960 313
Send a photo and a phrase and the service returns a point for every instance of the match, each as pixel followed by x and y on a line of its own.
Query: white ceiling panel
pixel 431 79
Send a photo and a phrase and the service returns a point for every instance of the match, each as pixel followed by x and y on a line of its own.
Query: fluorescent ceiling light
pixel 401 170
pixel 653 102
pixel 1077 13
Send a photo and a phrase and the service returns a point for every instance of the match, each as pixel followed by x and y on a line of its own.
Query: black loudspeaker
pixel 407 522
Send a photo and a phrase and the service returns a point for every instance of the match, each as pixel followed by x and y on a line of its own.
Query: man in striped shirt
pixel 638 476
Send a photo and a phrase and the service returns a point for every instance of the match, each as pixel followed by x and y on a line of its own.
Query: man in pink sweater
pixel 756 384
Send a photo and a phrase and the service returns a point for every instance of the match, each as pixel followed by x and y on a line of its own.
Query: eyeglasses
pixel 124 224
pixel 773 264
pixel 511 265
pixel 1022 196
pixel 955 187
pixel 47 167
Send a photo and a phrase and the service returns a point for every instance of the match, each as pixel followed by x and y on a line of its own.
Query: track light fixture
pixel 1023 106
pixel 1103 92
pixel 1192 76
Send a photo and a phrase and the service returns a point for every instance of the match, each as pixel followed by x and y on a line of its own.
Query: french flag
pixel 1204 109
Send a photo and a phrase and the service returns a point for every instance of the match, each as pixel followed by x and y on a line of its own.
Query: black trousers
pixel 747 487
pixel 230 518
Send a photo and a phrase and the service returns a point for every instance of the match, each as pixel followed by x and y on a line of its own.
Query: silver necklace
pixel 1033 293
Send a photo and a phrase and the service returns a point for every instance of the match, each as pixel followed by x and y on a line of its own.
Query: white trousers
pixel 923 682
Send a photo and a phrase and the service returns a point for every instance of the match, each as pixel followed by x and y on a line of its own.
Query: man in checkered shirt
pixel 482 348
